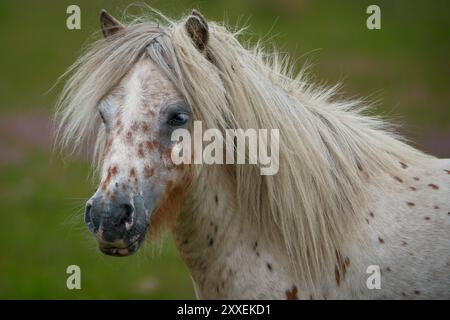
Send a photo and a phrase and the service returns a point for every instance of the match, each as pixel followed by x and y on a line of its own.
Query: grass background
pixel 405 65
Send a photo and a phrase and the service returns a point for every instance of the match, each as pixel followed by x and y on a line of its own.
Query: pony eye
pixel 103 117
pixel 178 119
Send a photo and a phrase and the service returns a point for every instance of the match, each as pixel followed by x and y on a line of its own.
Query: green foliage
pixel 43 233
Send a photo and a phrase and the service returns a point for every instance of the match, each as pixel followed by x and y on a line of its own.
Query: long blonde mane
pixel 328 148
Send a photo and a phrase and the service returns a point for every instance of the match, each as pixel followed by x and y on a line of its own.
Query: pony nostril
pixel 126 216
pixel 89 219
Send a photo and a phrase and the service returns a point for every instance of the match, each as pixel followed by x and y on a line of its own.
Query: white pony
pixel 353 212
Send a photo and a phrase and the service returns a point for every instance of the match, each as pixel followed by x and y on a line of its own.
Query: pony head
pixel 140 187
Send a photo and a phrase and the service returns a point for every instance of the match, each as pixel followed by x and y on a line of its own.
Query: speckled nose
pixel 109 220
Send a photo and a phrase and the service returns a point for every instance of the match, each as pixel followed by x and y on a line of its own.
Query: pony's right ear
pixel 109 24
pixel 198 30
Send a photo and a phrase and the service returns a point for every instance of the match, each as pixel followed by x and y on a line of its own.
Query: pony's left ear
pixel 109 24
pixel 198 30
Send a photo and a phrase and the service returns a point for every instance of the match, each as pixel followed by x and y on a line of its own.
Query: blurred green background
pixel 405 66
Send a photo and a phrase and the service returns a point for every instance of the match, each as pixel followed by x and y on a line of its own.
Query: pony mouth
pixel 121 252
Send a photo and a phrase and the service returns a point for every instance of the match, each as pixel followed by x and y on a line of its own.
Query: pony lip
pixel 122 252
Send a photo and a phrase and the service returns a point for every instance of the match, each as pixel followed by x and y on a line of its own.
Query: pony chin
pixel 123 252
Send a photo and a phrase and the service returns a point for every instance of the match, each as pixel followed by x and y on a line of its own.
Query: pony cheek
pixel 166 210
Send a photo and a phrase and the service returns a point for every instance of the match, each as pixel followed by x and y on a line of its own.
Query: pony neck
pixel 220 244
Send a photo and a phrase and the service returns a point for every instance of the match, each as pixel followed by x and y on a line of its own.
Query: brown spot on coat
pixel 404 165
pixel 112 171
pixel 134 126
pixel 381 240
pixel 398 179
pixel 337 275
pixel 340 269
pixel 427 218
pixel 169 153
pixel 413 188
pixel 359 166
pixel 371 214
pixel 150 145
pixel 411 204
pixel 417 292
pixel 141 150
pixel 145 128
pixel 148 172
pixel 416 178
pixel 133 172
pixel 269 266
pixel 436 207
pixel 433 186
pixel 292 294
pixel 129 137
pixel 448 171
